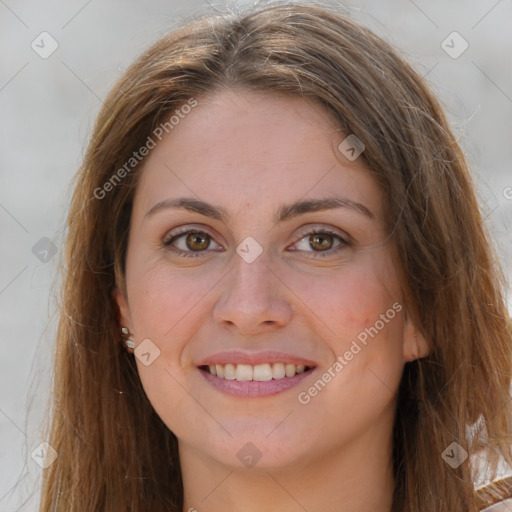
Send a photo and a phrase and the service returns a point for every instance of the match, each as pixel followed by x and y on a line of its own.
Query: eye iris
pixel 324 240
pixel 193 238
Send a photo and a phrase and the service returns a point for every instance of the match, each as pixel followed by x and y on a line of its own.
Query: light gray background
pixel 48 106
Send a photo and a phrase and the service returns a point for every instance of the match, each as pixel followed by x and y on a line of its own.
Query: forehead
pixel 244 149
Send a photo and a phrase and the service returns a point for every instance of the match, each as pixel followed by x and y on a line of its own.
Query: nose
pixel 253 298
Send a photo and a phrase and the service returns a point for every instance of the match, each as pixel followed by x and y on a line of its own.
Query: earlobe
pixel 415 348
pixel 415 344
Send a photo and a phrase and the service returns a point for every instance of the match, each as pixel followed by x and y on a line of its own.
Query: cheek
pixel 365 313
pixel 358 312
pixel 352 298
pixel 162 299
pixel 164 303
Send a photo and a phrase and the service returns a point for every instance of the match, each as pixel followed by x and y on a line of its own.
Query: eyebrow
pixel 283 213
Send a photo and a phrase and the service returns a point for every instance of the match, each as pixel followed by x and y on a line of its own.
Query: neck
pixel 357 476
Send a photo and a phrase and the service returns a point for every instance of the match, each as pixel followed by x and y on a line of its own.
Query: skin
pixel 249 153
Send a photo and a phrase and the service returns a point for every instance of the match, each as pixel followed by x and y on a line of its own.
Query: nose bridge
pixel 251 296
pixel 251 282
pixel 253 277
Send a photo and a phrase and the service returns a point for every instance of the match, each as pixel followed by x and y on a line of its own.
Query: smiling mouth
pixel 260 372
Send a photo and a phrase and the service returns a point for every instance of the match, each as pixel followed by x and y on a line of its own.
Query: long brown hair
pixel 115 453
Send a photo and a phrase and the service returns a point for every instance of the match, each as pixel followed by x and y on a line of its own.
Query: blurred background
pixel 58 60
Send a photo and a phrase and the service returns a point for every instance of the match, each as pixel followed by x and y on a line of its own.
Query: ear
pixel 414 342
pixel 124 310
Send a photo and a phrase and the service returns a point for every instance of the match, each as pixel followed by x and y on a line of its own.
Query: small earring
pixel 128 342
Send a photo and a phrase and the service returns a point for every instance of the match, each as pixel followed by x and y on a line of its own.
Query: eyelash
pixel 198 254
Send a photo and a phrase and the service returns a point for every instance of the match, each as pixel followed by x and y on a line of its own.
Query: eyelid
pixel 313 228
pixel 182 230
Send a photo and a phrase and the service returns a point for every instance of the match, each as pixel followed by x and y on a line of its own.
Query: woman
pixel 279 291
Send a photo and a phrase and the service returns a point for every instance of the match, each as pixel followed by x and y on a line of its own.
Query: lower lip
pixel 252 388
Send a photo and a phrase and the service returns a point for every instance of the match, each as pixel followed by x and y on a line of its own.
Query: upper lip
pixel 254 358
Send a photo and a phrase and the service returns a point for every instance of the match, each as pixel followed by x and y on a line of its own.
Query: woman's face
pixel 271 282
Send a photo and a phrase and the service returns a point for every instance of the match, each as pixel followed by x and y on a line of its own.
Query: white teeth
pixel 229 372
pixel 278 371
pixel 262 372
pixel 289 370
pixel 243 372
pixel 259 372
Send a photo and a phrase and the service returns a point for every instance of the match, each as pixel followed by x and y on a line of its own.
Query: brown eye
pixel 190 243
pixel 197 241
pixel 321 241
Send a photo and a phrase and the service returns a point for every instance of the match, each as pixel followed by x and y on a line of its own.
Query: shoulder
pixel 497 495
pixel 503 506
